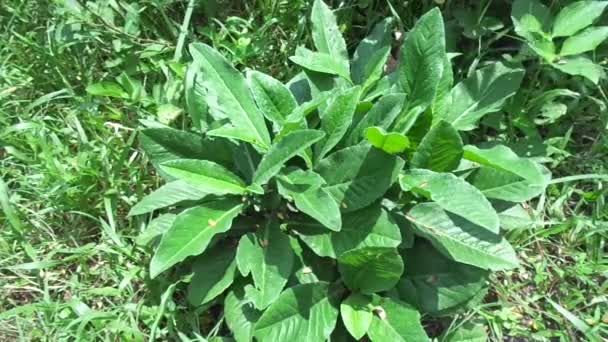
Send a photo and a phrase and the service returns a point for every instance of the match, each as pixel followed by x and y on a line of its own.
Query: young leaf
pixel 422 61
pixel 356 314
pixel 305 312
pixel 206 175
pixel 267 255
pixel 240 315
pixel 577 16
pixel 462 240
pixel 214 272
pixel 310 198
pixel 382 115
pixel 336 119
pixel 391 143
pixel 357 176
pixel 580 66
pixel 483 93
pixel 192 231
pixel 228 94
pixel 368 227
pixel 370 269
pixel 506 176
pixel 272 97
pixel 437 285
pixel 280 152
pixel 371 55
pixel 396 322
pixel 319 62
pixel 110 89
pixel 440 150
pixel 584 41
pixel 530 17
pixel 167 195
pixel 452 194
pixel 326 34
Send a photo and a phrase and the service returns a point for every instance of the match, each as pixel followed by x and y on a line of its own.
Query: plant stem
pixel 183 31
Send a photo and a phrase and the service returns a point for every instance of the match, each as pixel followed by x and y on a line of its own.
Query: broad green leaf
pixel 246 160
pixel 194 95
pixel 467 333
pixel 288 147
pixel 240 315
pixel 422 60
pixel 167 113
pixel 304 187
pixel 192 231
pixel 326 34
pixel 515 217
pixel 272 97
pixel 368 227
pixel 396 322
pixel 529 17
pixel 382 114
pixel 437 285
pixel 506 176
pixel 580 66
pixel 482 93
pixel 577 16
pixel 443 97
pixel 371 54
pixel 440 150
pixel 228 94
pixel 206 175
pixel 391 142
pixel 584 41
pixel 306 313
pixel 155 228
pixel 452 194
pixel 110 89
pixel 167 195
pixel 370 269
pixel 299 88
pixel 462 240
pixel 267 255
pixel 308 107
pixel 214 272
pixel 336 119
pixel 320 62
pixel 356 314
pixel 357 176
pixel 309 268
pixel 543 46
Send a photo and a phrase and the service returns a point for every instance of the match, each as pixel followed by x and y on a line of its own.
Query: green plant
pixel 361 201
pixel 572 28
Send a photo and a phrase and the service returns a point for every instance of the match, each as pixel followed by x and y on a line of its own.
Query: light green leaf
pixel 440 150
pixel 371 54
pixel 515 217
pixel 467 333
pixel 304 187
pixel 506 176
pixel 228 94
pixel 396 322
pixel 288 147
pixel 437 285
pixel 452 194
pixel 267 255
pixel 357 176
pixel 194 95
pixel 336 119
pixel 391 142
pixel 240 315
pixel 356 314
pixel 306 313
pixel 443 98
pixel 577 16
pixel 461 240
pixel 382 114
pixel 169 194
pixel 483 93
pixel 272 97
pixel 110 89
pixel 584 41
pixel 529 17
pixel 370 269
pixel 167 113
pixel 368 227
pixel 422 61
pixel 326 34
pixel 320 62
pixel 206 175
pixel 192 231
pixel 155 228
pixel 580 66
pixel 214 272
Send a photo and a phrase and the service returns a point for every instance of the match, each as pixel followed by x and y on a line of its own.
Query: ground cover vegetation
pixel 303 170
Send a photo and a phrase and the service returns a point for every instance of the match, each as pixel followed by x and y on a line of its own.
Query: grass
pixel 70 168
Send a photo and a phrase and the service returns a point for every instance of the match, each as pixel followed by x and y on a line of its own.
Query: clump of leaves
pixel 344 202
pixel 572 28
